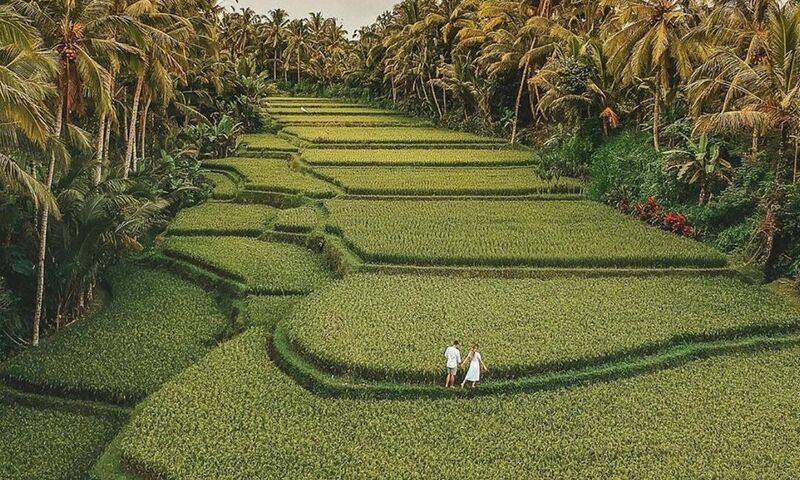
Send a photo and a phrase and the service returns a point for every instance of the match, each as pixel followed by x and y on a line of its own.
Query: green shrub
pixel 510 233
pixel 49 444
pixel 524 326
pixel 453 157
pixel 621 166
pixel 223 219
pixel 155 326
pixel 264 267
pixel 273 176
pixel 444 181
pixel 644 427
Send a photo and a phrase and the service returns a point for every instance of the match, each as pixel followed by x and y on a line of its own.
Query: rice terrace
pixel 478 239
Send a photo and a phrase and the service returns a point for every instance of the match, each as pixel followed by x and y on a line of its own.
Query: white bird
pixel 303 109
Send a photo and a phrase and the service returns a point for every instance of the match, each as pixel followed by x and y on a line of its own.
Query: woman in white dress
pixel 475 365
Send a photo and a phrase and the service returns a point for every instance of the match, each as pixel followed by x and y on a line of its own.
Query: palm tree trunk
pixel 101 138
pixel 143 127
pixel 129 153
pixel 519 102
pixel 755 142
pixel 275 64
pixel 657 118
pixel 43 224
pixel 435 98
pixel 107 147
pixel 298 67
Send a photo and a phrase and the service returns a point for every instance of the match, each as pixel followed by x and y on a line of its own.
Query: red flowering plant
pixel 649 211
pixel 677 223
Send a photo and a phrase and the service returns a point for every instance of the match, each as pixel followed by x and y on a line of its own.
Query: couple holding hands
pixel 453 357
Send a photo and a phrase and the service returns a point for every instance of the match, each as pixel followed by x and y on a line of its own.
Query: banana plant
pixel 700 163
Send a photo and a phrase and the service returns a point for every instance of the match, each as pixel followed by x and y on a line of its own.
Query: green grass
pixel 328 110
pixel 236 415
pixel 366 326
pixel 299 220
pixel 44 444
pixel 223 219
pixel 510 233
pixel 155 326
pixel 418 157
pixel 264 267
pixel 274 176
pixel 398 135
pixel 267 141
pixel 224 187
pixel 444 181
pixel 349 120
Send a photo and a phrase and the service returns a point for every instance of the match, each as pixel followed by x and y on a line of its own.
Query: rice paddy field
pixel 444 181
pixel 509 233
pixel 294 327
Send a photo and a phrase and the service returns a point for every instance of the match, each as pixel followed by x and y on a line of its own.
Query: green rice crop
pixel 49 444
pixel 267 141
pixel 265 311
pixel 395 135
pixel 224 187
pixel 299 220
pixel 223 219
pixel 274 176
pixel 510 233
pixel 329 110
pixel 264 267
pixel 444 181
pixel 418 157
pixel 235 415
pixel 155 326
pixel 366 325
pixel 349 120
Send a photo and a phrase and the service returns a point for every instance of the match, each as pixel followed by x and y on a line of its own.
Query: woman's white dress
pixel 474 372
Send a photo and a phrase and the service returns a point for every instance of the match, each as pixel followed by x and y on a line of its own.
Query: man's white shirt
pixel 453 356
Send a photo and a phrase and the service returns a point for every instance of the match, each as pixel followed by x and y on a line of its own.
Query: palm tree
pixel 650 42
pixel 761 87
pixel 297 43
pixel 277 20
pixel 76 32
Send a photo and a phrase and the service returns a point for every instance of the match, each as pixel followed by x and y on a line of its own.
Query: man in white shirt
pixel 453 357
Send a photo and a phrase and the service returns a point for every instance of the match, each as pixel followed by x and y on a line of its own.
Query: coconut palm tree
pixel 762 88
pixel 650 42
pixel 297 47
pixel 76 32
pixel 276 23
